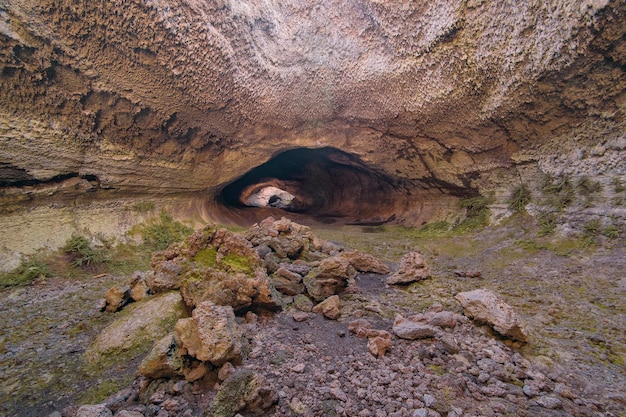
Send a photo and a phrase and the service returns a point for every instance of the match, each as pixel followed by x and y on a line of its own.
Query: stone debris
pixel 412 268
pixel 432 363
pixel 139 288
pixel 363 262
pixel 484 306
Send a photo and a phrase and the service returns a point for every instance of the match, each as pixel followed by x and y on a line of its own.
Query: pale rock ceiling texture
pixel 188 96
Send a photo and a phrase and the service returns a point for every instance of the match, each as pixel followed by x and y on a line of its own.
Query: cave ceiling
pixel 177 96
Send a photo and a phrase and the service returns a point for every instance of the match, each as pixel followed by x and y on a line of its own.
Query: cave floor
pixel 572 296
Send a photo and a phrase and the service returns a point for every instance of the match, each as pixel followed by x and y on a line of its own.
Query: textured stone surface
pixel 98 410
pixel 411 330
pixel 164 360
pixel 331 276
pixel 364 262
pixel 412 268
pixel 427 100
pixel 211 334
pixel 485 306
pixel 330 307
pixel 140 324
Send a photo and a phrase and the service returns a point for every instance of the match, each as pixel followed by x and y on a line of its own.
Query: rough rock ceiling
pixel 184 96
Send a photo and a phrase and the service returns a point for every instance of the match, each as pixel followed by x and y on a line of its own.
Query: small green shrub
pixel 618 185
pixel 559 190
pixel 163 233
pixel 586 187
pixel 26 272
pixel 477 213
pixel 611 232
pixel 591 230
pixel 83 254
pixel 530 246
pixel 520 197
pixel 547 223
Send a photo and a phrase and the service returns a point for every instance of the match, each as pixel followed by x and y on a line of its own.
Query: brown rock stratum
pixel 363 110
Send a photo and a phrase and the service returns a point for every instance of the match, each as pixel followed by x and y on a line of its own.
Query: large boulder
pixel 484 306
pixel 331 276
pixel 137 328
pixel 412 268
pixel 211 334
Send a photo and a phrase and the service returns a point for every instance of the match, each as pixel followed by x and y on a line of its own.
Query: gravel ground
pixel 573 364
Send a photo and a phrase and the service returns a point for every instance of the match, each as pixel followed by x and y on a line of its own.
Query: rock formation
pixel 362 111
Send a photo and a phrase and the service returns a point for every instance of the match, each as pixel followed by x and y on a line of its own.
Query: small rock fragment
pixel 225 371
pixel 378 346
pixel 299 368
pixel 360 327
pixel 300 316
pixel 138 287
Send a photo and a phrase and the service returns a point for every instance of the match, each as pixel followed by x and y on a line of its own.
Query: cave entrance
pixel 324 183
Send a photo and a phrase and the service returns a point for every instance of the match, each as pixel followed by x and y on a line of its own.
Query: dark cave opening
pixel 325 184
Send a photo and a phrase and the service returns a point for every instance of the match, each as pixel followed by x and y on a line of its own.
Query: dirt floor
pixel 571 295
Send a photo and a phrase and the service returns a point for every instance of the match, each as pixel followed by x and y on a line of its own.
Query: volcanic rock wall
pixel 443 99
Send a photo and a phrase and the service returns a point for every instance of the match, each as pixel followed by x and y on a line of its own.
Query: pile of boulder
pixel 226 281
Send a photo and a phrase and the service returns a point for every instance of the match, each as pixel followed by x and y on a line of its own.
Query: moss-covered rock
pixel 136 329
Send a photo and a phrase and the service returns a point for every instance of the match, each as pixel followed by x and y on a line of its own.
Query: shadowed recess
pixel 323 183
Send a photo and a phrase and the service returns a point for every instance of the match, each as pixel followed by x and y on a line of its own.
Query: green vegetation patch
pixel 206 257
pixel 162 233
pixel 27 271
pixel 83 254
pixel 477 209
pixel 238 263
pixel 520 197
pixel 560 191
